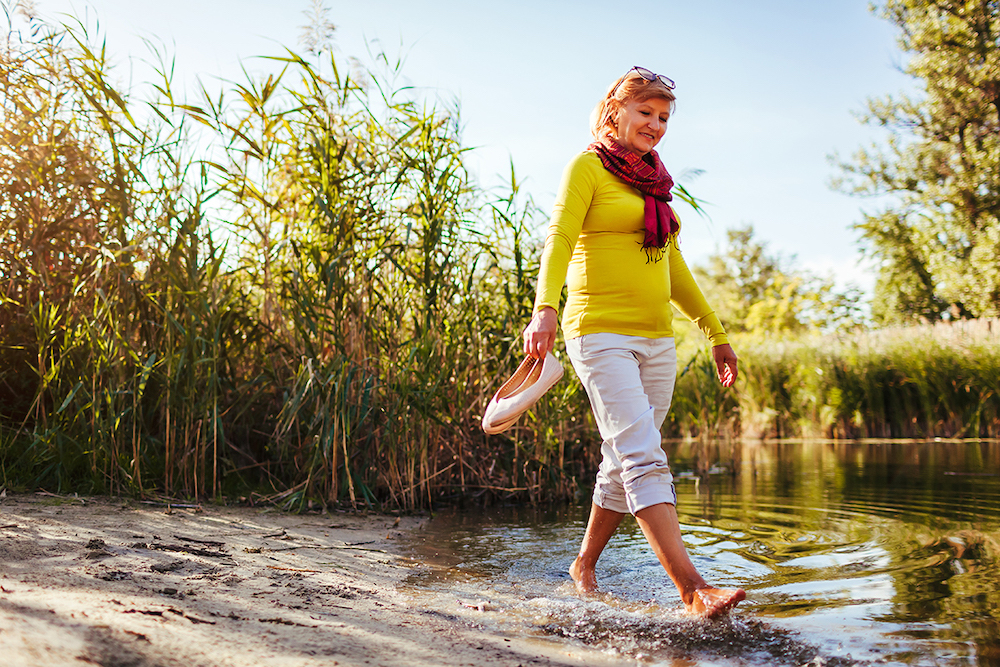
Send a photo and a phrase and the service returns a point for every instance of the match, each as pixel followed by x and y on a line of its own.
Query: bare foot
pixel 586 580
pixel 712 602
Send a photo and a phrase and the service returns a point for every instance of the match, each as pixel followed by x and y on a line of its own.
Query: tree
pixel 753 290
pixel 936 243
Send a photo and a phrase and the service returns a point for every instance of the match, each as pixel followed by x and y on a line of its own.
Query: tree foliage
pixel 755 291
pixel 937 240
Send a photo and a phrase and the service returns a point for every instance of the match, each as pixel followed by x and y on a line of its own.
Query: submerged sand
pixel 114 582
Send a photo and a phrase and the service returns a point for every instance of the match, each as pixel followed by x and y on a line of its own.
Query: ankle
pixel 585 576
pixel 689 590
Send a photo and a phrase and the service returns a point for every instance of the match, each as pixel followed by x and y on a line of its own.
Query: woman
pixel 613 240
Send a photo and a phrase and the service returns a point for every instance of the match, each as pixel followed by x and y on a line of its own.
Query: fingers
pixel 537 343
pixel 540 334
pixel 530 343
pixel 726 364
pixel 727 373
pixel 724 374
pixel 537 346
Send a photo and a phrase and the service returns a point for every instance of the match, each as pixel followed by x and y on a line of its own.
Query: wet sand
pixel 118 582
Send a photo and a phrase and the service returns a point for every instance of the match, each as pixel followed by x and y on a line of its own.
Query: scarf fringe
pixel 655 253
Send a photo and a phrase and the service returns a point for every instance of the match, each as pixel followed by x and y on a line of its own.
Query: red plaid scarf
pixel 653 181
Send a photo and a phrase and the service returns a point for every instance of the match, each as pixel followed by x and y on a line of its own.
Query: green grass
pixel 921 382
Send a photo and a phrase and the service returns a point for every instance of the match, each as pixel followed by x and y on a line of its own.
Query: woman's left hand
pixel 725 364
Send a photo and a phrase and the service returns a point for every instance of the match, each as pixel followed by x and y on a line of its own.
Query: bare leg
pixel 663 532
pixel 600 528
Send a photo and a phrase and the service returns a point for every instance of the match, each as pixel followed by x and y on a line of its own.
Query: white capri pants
pixel 630 382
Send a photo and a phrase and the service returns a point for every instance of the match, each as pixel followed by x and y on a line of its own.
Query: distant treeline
pixel 292 291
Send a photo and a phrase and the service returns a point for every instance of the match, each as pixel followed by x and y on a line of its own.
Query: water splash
pixel 651 636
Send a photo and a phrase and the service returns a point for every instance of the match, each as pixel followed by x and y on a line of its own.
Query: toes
pixel 715 601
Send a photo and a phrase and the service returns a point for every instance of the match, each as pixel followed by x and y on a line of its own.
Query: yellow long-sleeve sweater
pixel 594 244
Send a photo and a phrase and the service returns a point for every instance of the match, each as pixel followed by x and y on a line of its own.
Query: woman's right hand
pixel 540 334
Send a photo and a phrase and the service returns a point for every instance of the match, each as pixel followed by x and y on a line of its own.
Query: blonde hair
pixel 631 86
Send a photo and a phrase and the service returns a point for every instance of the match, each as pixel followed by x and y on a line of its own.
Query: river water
pixel 850 552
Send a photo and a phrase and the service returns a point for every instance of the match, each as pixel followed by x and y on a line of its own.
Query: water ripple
pixel 840 555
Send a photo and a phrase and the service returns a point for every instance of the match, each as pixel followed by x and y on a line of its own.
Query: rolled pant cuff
pixel 609 502
pixel 651 494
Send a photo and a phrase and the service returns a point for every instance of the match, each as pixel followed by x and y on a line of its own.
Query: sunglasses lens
pixel 645 73
pixel 649 75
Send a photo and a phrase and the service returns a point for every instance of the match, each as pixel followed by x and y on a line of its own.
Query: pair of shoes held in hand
pixel 532 378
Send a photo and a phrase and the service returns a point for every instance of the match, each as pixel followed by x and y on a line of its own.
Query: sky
pixel 766 91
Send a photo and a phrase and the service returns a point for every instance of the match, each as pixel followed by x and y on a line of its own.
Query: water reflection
pixel 881 552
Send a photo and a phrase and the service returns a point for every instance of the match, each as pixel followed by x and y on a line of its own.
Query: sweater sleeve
pixel 572 201
pixel 689 299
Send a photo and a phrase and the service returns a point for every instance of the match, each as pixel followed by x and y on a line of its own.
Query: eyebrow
pixel 643 107
pixel 645 103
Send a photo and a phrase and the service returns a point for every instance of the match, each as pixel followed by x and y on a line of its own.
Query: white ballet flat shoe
pixel 529 382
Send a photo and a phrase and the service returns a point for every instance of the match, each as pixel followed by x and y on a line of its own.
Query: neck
pixel 617 142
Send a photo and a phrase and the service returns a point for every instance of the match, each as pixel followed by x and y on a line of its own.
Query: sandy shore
pixel 114 582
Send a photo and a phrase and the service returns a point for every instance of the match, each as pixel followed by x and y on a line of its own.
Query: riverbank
pixel 117 582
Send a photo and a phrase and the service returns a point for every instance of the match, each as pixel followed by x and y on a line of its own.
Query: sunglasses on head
pixel 648 75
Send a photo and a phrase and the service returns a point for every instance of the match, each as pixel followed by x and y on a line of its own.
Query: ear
pixel 615 115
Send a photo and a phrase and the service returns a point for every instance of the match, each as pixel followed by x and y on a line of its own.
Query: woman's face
pixel 641 124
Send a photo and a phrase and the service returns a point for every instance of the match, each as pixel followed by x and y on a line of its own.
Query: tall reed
pixel 307 297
